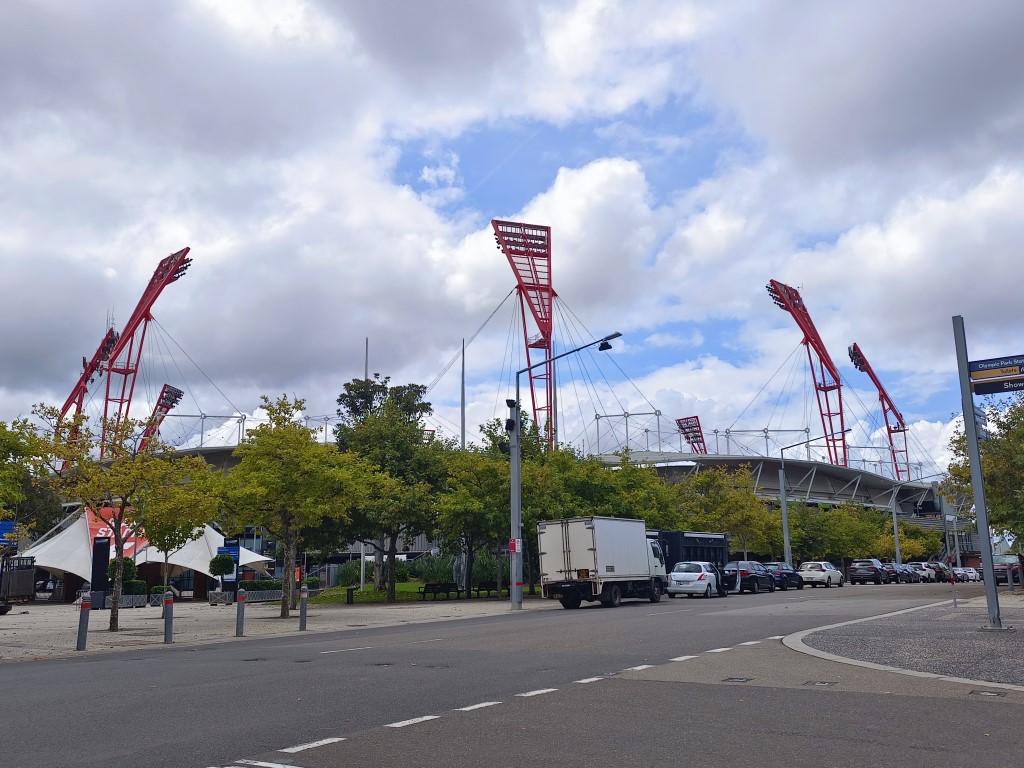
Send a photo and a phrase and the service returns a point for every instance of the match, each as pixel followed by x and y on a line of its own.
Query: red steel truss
pixel 528 249
pixel 894 423
pixel 827 384
pixel 169 397
pixel 689 426
pixel 118 354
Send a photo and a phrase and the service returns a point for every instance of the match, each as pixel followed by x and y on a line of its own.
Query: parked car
pixel 942 571
pixel 960 575
pixel 973 574
pixel 821 572
pixel 926 573
pixel 785 575
pixel 911 575
pixel 895 576
pixel 753 576
pixel 1004 564
pixel 693 578
pixel 869 569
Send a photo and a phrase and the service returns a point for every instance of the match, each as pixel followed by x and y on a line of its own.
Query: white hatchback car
pixel 973 574
pixel 691 578
pixel 817 572
pixel 927 574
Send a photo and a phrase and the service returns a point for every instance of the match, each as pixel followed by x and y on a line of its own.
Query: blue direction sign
pixel 1000 386
pixel 996 362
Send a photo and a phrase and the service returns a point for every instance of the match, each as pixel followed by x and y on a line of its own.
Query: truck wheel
pixel 614 597
pixel 570 602
pixel 656 591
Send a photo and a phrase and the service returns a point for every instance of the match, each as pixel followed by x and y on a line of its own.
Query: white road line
pixel 641 668
pixel 387 645
pixel 683 658
pixel 718 650
pixel 589 680
pixel 266 765
pixel 665 613
pixel 536 693
pixel 776 637
pixel 303 747
pixel 751 642
pixel 481 705
pixel 403 723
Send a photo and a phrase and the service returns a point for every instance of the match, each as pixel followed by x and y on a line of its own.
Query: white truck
pixel 599 558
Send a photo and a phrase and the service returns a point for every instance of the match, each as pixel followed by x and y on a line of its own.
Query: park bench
pixel 487 587
pixel 440 588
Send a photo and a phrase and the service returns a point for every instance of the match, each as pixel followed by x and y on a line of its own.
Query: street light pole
pixel 786 546
pixel 516 480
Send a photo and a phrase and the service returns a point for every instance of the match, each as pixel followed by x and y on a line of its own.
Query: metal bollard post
pixel 168 617
pixel 83 621
pixel 240 614
pixel 303 599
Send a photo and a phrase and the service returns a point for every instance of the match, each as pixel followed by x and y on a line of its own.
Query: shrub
pixel 313 582
pixel 128 570
pixel 260 585
pixel 348 573
pixel 222 565
pixel 134 587
pixel 485 568
pixel 434 568
pixel 159 589
pixel 401 570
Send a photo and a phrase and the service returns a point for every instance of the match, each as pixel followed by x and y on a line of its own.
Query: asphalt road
pixel 643 704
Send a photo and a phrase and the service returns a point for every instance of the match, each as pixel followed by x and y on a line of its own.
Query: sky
pixel 334 167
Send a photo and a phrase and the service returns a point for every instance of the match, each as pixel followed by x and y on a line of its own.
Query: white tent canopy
pixel 70 551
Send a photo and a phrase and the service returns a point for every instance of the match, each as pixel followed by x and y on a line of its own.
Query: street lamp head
pixel 604 346
pixel 611 336
pixel 510 403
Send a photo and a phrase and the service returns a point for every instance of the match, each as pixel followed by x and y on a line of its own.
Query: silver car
pixel 822 572
pixel 691 578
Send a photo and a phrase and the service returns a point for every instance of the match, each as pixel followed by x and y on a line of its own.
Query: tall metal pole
pixel 463 394
pixel 977 482
pixel 787 548
pixel 895 526
pixel 515 590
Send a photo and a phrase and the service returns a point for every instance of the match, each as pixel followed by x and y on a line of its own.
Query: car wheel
pixel 840 581
pixel 707 593
pixel 828 582
pixel 754 587
pixel 771 586
pixel 655 591
pixel 784 586
pixel 800 585
pixel 878 579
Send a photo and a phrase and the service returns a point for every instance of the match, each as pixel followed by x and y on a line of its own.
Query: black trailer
pixel 680 546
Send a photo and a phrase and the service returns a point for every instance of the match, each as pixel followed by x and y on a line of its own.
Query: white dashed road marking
pixel 751 642
pixel 265 765
pixel 403 723
pixel 589 680
pixel 537 692
pixel 718 650
pixel 641 668
pixel 663 613
pixel 481 705
pixel 683 658
pixel 311 745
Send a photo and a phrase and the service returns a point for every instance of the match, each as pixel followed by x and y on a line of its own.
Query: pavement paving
pixel 938 640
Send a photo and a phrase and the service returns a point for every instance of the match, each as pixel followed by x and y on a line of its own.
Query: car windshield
pixel 862 562
pixel 687 568
pixel 1005 559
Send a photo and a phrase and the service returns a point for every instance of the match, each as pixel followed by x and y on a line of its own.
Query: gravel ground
pixel 940 640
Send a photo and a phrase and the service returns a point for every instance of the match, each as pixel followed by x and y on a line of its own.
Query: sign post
pixel 977 485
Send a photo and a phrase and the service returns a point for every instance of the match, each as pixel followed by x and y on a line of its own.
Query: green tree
pixel 287 482
pixel 1002 466
pixel 21 457
pixel 111 489
pixel 384 425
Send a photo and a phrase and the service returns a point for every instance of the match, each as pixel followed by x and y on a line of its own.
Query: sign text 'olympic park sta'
pixel 997 375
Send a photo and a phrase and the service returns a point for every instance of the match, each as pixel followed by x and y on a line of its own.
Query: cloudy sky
pixel 334 167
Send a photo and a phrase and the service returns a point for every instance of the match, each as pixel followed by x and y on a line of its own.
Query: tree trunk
pixel 392 552
pixel 115 594
pixel 469 567
pixel 378 566
pixel 288 577
pixel 165 571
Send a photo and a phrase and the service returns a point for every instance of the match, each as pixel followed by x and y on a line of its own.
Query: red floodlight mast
pixel 119 354
pixel 169 397
pixel 827 384
pixel 689 426
pixel 528 249
pixel 894 423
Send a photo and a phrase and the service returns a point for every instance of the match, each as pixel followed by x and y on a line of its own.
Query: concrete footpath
pixel 47 630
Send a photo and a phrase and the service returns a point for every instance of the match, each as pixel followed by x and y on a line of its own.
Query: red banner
pixel 100 527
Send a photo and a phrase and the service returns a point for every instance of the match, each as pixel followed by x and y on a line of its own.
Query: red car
pixel 1001 564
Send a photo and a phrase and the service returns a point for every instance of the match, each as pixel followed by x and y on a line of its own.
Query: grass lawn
pixel 405 592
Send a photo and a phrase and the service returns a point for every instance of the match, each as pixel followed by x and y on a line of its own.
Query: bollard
pixel 168 617
pixel 303 598
pixel 83 621
pixel 240 614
